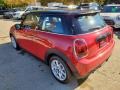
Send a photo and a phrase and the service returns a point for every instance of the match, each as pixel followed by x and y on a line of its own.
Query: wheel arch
pixel 52 52
pixel 18 46
pixel 68 62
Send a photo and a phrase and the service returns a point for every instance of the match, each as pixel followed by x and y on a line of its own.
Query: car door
pixel 32 35
pixel 25 34
pixel 43 35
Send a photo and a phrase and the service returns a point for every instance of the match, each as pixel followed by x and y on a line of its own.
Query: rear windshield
pixel 88 23
pixel 111 9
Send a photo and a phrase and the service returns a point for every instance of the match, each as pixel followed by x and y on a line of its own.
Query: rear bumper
pixel 85 66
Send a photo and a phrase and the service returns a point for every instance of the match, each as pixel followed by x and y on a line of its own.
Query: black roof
pixel 76 11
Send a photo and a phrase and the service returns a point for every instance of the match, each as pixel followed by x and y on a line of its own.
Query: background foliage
pixel 13 3
pixel 1 2
pixel 44 2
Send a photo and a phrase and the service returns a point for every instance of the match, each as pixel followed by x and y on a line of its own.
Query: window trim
pixel 26 16
pixel 73 34
pixel 51 15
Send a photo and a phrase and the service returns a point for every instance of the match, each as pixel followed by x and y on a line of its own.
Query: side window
pixel 31 21
pixel 35 19
pixel 53 24
pixel 27 20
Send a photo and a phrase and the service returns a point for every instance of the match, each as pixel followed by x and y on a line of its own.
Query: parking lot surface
pixel 21 71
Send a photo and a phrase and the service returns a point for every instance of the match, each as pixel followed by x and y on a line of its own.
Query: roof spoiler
pixel 89 12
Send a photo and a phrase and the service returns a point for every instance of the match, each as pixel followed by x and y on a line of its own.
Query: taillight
pixel 80 48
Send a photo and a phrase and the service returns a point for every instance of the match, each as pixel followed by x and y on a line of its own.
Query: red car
pixel 70 42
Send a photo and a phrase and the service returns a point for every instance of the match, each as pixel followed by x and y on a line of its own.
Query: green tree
pixel 12 3
pixel 1 2
pixel 112 1
pixel 44 2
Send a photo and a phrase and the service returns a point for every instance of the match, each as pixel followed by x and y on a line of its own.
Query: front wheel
pixel 14 43
pixel 59 69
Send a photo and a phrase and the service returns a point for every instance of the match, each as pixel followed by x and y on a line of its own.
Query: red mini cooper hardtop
pixel 69 41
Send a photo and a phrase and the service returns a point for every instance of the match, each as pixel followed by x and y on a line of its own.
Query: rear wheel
pixel 59 69
pixel 14 43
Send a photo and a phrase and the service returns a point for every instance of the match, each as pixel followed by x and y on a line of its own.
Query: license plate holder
pixel 102 43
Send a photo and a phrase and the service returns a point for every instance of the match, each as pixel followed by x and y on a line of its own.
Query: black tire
pixel 66 69
pixel 16 46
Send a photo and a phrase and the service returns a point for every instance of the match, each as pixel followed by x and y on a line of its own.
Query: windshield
pixel 88 23
pixel 112 9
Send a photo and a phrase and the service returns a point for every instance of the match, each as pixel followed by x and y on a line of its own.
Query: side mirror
pixel 17 26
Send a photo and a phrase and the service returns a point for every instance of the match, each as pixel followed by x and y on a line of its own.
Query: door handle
pixel 30 36
pixel 33 37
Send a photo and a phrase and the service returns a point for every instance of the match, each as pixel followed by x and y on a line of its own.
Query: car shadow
pixel 117 33
pixel 19 69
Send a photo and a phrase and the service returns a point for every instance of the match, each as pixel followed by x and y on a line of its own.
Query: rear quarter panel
pixel 58 42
